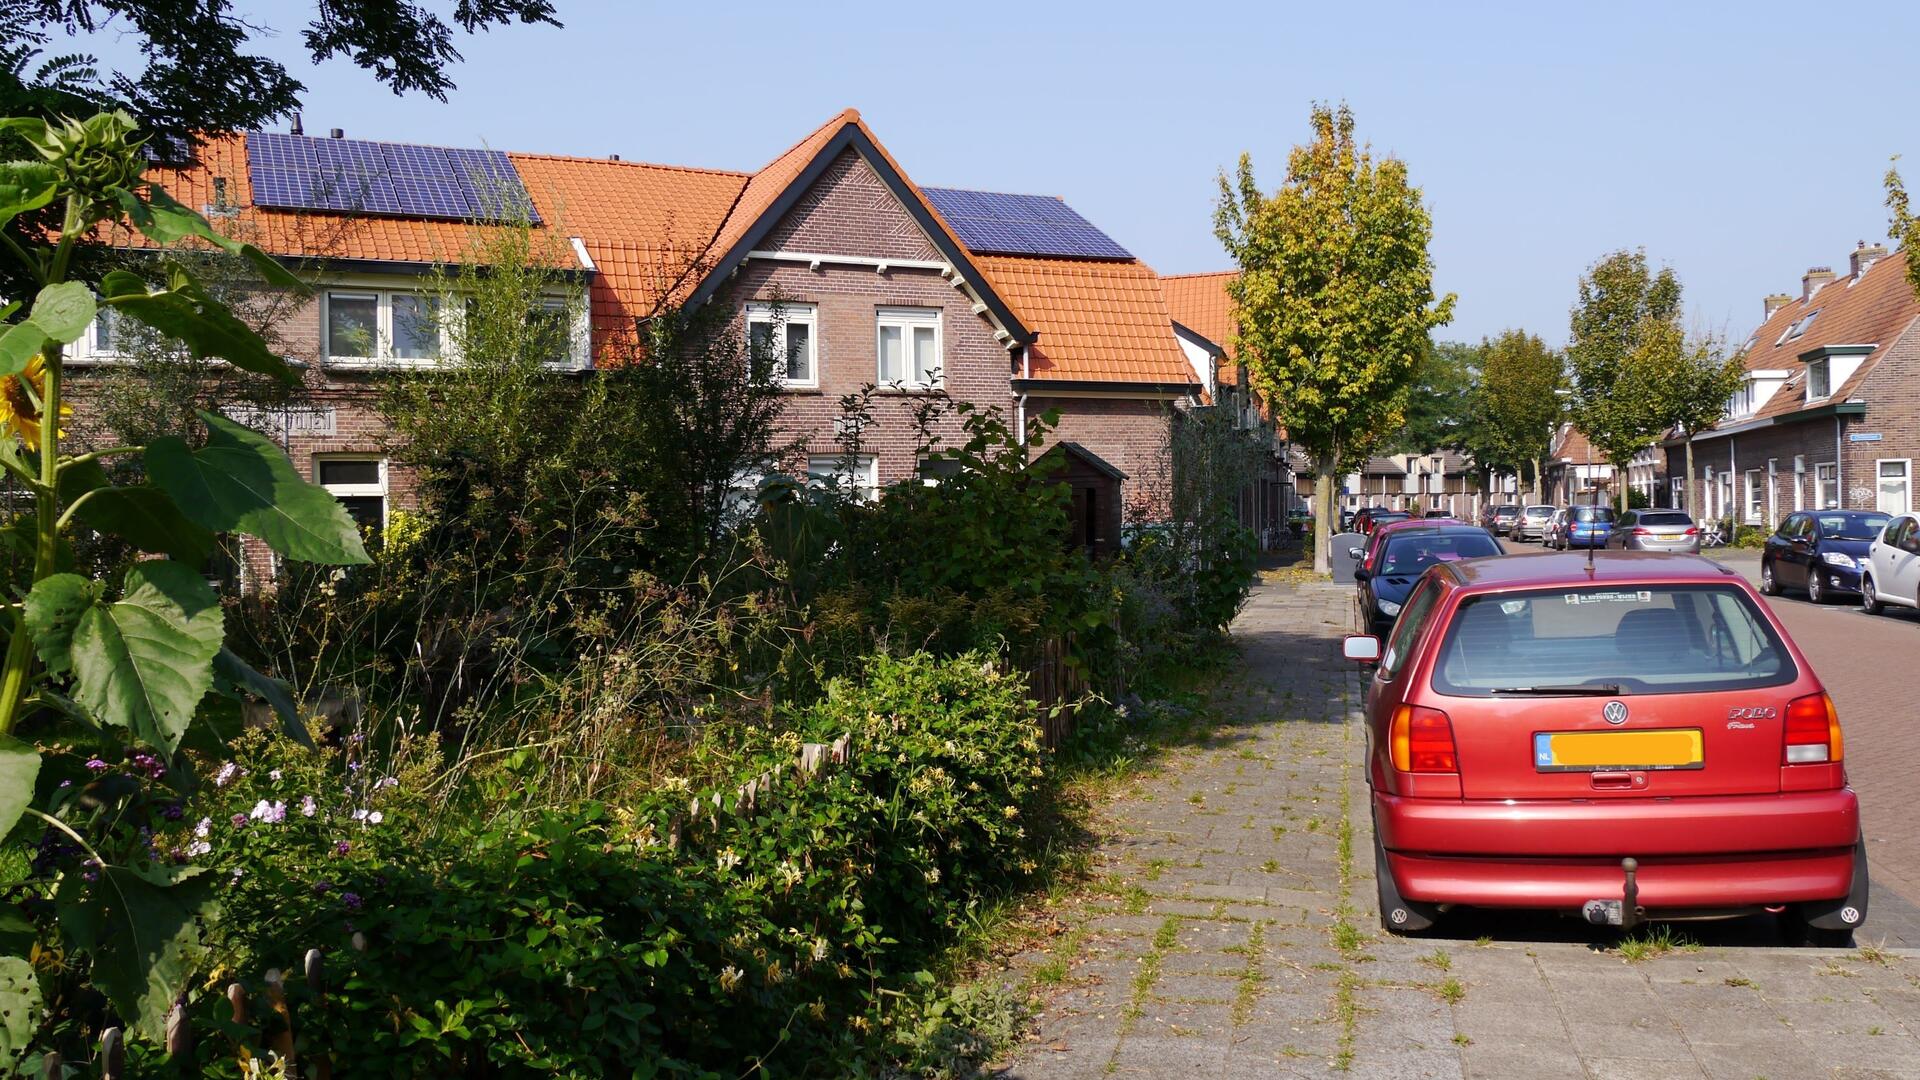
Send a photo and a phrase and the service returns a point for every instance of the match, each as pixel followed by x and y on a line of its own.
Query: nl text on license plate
pixel 1593 751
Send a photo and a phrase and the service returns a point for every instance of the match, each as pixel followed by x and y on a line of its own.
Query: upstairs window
pixel 783 336
pixel 375 326
pixel 909 344
pixel 1819 379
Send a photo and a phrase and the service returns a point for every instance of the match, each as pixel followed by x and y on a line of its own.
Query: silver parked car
pixel 1656 530
pixel 1532 522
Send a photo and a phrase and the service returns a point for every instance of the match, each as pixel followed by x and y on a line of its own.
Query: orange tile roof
pixel 1098 320
pixel 1200 303
pixel 652 230
pixel 1873 309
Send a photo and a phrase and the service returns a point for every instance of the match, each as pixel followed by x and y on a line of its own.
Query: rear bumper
pixel 1713 852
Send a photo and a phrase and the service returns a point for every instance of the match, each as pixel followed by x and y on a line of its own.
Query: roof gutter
pixel 1084 387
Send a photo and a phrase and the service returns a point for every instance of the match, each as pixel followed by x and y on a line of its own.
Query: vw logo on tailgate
pixel 1615 712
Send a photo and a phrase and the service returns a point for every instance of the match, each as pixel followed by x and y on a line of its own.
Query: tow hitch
pixel 1626 912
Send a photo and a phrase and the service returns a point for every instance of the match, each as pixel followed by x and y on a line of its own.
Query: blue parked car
pixel 1821 551
pixel 1587 526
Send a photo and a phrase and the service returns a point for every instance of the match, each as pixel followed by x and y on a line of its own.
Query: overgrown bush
pixel 670 935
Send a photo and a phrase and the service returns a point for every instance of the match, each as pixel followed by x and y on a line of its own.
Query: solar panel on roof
pixel 994 223
pixel 393 179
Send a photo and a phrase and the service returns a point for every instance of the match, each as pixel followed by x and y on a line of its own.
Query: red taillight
pixel 1692 531
pixel 1422 741
pixel 1813 731
pixel 1643 532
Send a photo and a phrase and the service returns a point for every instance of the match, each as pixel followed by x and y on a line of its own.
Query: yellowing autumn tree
pixel 1334 299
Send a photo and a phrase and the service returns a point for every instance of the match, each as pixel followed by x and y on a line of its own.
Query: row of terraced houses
pixel 1009 301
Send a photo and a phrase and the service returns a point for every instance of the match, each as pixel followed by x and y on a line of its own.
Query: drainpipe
pixel 1020 402
pixel 1839 465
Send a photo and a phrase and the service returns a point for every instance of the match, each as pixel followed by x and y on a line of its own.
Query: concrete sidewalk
pixel 1237 934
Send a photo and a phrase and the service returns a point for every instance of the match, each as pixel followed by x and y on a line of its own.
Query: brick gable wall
pixel 850 211
pixel 1128 433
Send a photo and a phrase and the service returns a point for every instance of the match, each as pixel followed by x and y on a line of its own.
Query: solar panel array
pixel 351 176
pixel 992 223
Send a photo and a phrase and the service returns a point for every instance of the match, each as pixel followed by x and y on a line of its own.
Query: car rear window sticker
pixel 1643 596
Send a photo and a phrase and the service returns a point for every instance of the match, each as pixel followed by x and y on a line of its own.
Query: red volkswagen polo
pixel 1628 737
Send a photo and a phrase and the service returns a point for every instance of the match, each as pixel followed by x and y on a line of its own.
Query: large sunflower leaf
pixel 53 609
pixel 241 482
pixel 142 929
pixel 167 222
pixel 142 514
pixel 186 313
pixel 20 1008
pixel 24 186
pixel 145 661
pixel 19 764
pixel 63 311
pixel 18 344
pixel 241 676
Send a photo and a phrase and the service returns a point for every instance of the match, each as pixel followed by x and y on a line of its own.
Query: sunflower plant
pixel 129 661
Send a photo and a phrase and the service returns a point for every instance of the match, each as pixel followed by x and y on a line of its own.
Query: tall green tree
pixel 1516 402
pixel 1692 390
pixel 1902 225
pixel 1626 333
pixel 1334 299
pixel 1438 407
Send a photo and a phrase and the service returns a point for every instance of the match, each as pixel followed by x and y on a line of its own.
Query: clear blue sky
pixel 1739 145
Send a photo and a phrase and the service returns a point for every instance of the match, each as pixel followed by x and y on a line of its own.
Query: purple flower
pixel 174 811
pixel 386 782
pixel 307 806
pixel 272 813
pixel 226 774
pixel 66 783
pixel 322 886
pixel 96 765
pixel 239 821
pixel 342 848
pixel 352 900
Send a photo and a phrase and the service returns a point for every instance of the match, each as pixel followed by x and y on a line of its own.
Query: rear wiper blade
pixel 1586 689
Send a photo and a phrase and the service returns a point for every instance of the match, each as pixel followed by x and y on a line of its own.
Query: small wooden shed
pixel 1094 522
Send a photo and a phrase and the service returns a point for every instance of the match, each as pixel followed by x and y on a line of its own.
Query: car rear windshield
pixel 1506 509
pixel 1413 553
pixel 1669 517
pixel 1539 511
pixel 1852 526
pixel 1593 513
pixel 1663 639
pixel 1392 515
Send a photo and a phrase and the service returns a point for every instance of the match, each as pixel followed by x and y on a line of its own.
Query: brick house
pixel 1829 415
pixel 1007 301
pixel 1203 323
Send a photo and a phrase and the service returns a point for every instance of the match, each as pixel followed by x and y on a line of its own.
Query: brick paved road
pixel 1236 934
pixel 1872 668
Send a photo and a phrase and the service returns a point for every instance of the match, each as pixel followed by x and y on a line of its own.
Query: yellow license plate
pixel 1592 751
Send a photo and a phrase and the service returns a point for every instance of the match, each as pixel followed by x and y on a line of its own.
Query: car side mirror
pixel 1354 553
pixel 1361 648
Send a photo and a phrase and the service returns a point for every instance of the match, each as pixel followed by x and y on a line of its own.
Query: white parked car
pixel 1892 573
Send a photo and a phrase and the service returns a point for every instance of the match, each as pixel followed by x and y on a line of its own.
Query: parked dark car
pixel 1398 556
pixel 1372 517
pixel 1820 551
pixel 1499 519
pixel 1437 514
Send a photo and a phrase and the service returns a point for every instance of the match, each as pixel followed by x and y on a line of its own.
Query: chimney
pixel 1777 301
pixel 338 133
pixel 1815 277
pixel 297 129
pixel 1864 256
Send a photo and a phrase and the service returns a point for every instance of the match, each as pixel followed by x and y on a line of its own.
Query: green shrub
pixel 636 939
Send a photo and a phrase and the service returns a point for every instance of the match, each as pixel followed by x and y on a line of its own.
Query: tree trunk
pixel 1688 495
pixel 1323 513
pixel 1539 482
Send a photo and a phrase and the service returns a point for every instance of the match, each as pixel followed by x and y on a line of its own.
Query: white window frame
pixel 1826 473
pixel 863 477
pixel 579 344
pixel 1906 482
pixel 1750 509
pixel 908 319
pixel 376 489
pixel 781 316
pixel 1824 365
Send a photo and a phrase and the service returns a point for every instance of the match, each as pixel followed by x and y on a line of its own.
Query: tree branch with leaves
pixel 1334 299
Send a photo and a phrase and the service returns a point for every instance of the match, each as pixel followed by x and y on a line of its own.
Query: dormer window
pixel 1819 379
